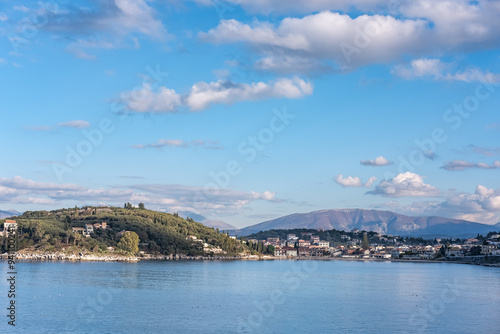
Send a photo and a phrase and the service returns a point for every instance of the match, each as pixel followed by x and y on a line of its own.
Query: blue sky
pixel 244 111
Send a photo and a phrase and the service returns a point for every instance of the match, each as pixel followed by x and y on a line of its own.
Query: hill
pixel 159 233
pixel 385 222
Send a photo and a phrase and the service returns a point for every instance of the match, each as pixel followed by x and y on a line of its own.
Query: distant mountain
pixel 384 222
pixel 9 213
pixel 223 226
pixel 209 223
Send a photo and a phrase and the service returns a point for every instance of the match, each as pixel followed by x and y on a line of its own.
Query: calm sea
pixel 253 297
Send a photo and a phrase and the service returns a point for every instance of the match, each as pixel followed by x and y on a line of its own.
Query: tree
pixel 442 251
pixel 67 221
pixel 129 242
pixel 141 206
pixel 366 243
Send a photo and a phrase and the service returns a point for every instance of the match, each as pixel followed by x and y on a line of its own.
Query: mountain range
pixel 9 213
pixel 223 226
pixel 384 222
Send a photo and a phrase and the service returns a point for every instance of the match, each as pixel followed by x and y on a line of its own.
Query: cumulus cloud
pixel 405 185
pixel 482 206
pixel 203 94
pixel 421 28
pixel 226 92
pixel 435 69
pixel 378 161
pixel 326 36
pixel 354 181
pixel 458 165
pixel 161 143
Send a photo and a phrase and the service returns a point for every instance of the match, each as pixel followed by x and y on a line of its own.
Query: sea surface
pixel 252 297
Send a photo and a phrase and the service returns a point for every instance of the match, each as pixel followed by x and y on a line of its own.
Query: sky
pixel 247 110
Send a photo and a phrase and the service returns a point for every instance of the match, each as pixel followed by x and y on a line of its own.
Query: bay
pixel 252 297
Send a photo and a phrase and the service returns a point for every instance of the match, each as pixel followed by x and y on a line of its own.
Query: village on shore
pixel 380 247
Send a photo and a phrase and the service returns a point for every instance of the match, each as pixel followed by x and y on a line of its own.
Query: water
pixel 253 297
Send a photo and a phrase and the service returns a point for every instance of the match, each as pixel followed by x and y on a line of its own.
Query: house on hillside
pixel 102 225
pixel 80 230
pixel 303 243
pixel 9 225
pixel 89 228
pixel 323 244
pixel 488 249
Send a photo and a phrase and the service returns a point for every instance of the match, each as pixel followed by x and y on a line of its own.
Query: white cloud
pixel 78 124
pixel 457 165
pixel 420 68
pixel 203 94
pixel 405 185
pixel 370 181
pixel 327 35
pixel 437 70
pixel 161 143
pixel 378 161
pixel 18 183
pixel 423 28
pixel 146 100
pixel 3 17
pixel 3 61
pixel 111 24
pixel 348 181
pixel 482 206
pixel 225 92
pixel 354 181
pixel 177 197
pixel 266 195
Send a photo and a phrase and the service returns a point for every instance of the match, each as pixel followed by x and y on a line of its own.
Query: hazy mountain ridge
pixel 9 213
pixel 221 225
pixel 385 222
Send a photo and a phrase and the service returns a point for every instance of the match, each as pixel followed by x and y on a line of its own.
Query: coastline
pixel 46 256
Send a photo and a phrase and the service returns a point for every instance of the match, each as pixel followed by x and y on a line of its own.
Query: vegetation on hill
pixel 157 232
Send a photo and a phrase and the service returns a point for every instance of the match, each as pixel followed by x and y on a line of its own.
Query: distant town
pixel 372 245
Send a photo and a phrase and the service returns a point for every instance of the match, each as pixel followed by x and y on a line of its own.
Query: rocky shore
pixel 59 256
pixel 46 256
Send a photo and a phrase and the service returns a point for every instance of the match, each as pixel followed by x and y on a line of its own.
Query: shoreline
pixel 38 257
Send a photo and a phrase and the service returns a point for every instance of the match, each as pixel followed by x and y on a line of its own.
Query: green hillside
pixel 159 233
